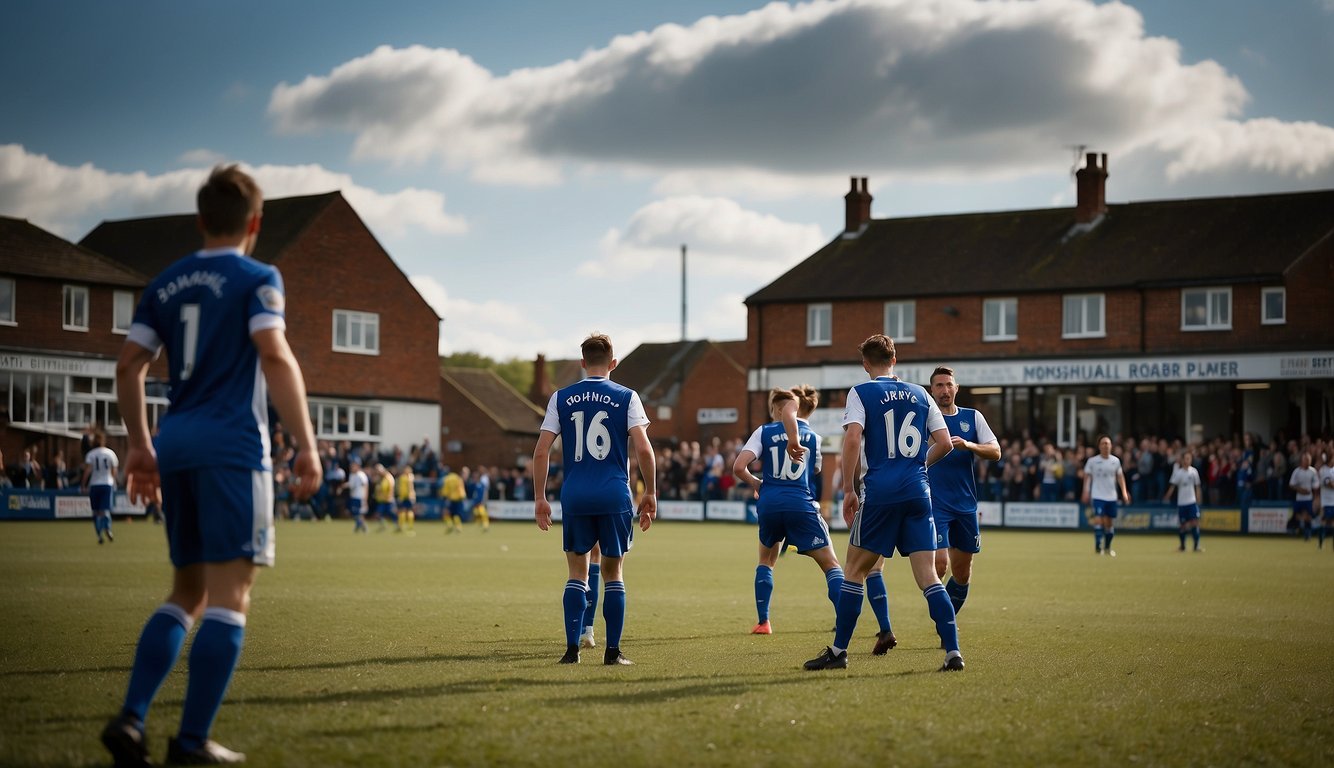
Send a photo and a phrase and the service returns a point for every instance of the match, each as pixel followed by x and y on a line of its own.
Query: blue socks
pixel 957 592
pixel 1097 537
pixel 213 657
pixel 575 602
pixel 594 579
pixel 942 613
pixel 1107 538
pixel 1195 533
pixel 613 611
pixel 833 579
pixel 878 596
pixel 764 590
pixel 159 647
pixel 848 609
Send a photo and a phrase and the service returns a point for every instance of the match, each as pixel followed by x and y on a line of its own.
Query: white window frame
pixel 67 319
pixel 119 299
pixel 1216 300
pixel 1282 294
pixel 1081 302
pixel 9 315
pixel 362 421
pixel 364 320
pixel 1001 333
pixel 898 311
pixel 813 312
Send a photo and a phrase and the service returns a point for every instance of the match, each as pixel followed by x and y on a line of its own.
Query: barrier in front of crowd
pixel 1259 518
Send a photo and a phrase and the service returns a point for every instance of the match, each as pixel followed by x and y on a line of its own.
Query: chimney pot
pixel 1091 189
pixel 858 207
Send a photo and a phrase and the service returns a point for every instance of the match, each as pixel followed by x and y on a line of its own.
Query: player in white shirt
pixel 1185 481
pixel 1326 474
pixel 358 487
pixel 1303 483
pixel 1104 486
pixel 99 481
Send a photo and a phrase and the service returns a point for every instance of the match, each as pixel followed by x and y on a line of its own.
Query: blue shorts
pixel 1302 507
pixel 1103 508
pixel 405 503
pixel 384 508
pixel 99 497
pixel 1329 513
pixel 455 508
pixel 1188 512
pixel 615 533
pixel 803 528
pixel 216 514
pixel 904 525
pixel 354 507
pixel 959 530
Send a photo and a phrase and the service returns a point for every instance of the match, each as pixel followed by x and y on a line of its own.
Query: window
pixel 76 308
pixel 344 421
pixel 7 302
pixel 1206 309
pixel 122 311
pixel 1083 316
pixel 901 321
pixel 357 332
pixel 1273 306
pixel 819 325
pixel 1000 319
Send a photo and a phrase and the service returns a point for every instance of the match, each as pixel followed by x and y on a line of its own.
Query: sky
pixel 535 167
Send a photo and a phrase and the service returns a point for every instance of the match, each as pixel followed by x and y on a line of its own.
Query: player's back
pixel 786 482
pixel 594 419
pixel 953 483
pixel 203 309
pixel 894 439
pixel 103 463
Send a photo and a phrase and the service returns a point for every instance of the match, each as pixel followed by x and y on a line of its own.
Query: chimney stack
pixel 858 208
pixel 1091 189
pixel 540 392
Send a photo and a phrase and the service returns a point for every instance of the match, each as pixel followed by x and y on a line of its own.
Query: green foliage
pixel 441 650
pixel 517 371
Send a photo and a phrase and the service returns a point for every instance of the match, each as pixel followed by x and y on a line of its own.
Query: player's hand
pixel 308 473
pixel 795 451
pixel 959 443
pixel 142 483
pixel 648 509
pixel 1127 499
pixel 1086 498
pixel 542 513
pixel 850 504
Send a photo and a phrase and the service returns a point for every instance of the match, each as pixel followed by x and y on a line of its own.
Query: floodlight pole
pixel 683 292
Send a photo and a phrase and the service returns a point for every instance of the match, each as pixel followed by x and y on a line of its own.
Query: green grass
pixel 441 650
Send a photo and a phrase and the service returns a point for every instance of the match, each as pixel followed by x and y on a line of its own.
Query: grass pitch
pixel 441 650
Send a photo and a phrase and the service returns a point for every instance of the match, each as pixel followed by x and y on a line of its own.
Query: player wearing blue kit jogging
pixel 218 314
pixel 894 429
pixel 99 480
pixel 787 509
pixel 597 421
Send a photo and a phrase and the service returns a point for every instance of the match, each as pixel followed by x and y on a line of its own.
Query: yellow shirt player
pixel 384 494
pixel 453 492
pixel 405 492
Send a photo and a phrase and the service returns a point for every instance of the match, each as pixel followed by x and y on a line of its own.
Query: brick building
pixel 1182 318
pixel 366 340
pixel 64 314
pixel 692 390
pixel 486 420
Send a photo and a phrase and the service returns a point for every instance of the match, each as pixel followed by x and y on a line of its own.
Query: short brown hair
pixel 878 349
pixel 808 398
pixel 596 349
pixel 227 201
pixel 779 395
pixel 941 370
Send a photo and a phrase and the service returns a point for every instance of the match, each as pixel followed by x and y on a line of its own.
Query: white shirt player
pixel 357 485
pixel 1327 486
pixel 103 463
pixel 1104 473
pixel 1304 482
pixel 1186 481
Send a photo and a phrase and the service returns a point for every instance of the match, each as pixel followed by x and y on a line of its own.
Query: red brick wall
pixel 337 264
pixel 483 441
pixel 714 382
pixel 38 311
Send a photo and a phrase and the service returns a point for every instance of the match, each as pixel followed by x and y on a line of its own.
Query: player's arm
pixel 851 459
pixel 648 501
pixel 1121 481
pixel 741 468
pixel 1088 482
pixel 541 466
pixel 1171 487
pixel 87 473
pixel 141 476
pixel 940 446
pixel 789 418
pixel 287 391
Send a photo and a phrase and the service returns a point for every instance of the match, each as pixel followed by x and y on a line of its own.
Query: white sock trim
pixel 225 615
pixel 178 613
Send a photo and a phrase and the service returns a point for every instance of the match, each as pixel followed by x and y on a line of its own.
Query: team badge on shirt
pixel 271 298
pixel 963 426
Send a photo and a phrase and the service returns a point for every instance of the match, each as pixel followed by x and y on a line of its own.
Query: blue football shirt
pixel 953 478
pixel 202 310
pixel 786 484
pixel 897 420
pixel 593 418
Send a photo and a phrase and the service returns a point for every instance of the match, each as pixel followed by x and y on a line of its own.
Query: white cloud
pixel 926 89
pixel 722 238
pixel 70 201
pixel 201 158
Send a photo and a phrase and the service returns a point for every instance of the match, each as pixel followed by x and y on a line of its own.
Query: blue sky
pixel 534 167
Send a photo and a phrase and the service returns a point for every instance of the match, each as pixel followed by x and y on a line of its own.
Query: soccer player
pixel 598 421
pixel 406 494
pixel 481 488
pixel 1104 486
pixel 886 424
pixel 358 487
pixel 954 489
pixel 99 481
pixel 1326 475
pixel 787 510
pixel 453 492
pixel 1185 482
pixel 1303 483
pixel 218 314
pixel 384 495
